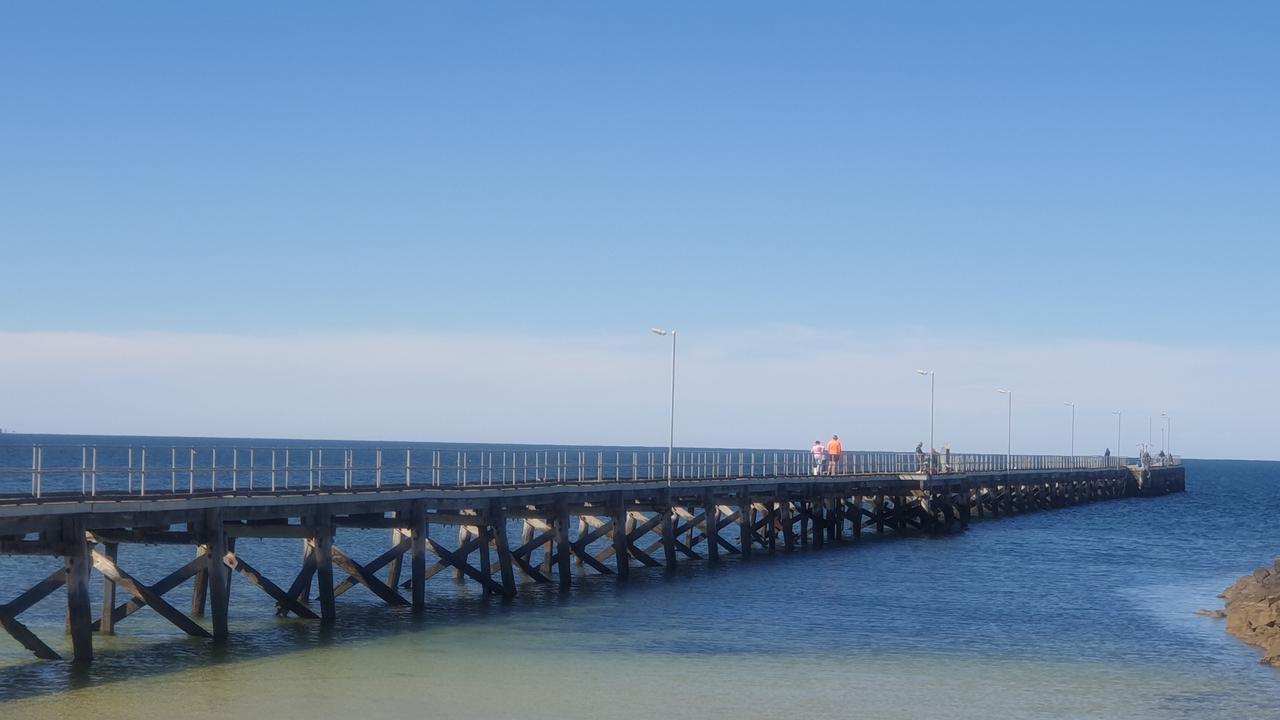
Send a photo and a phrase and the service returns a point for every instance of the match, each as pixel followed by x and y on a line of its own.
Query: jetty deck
pixel 576 511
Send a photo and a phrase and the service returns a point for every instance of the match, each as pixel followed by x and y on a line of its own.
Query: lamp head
pixel 657 331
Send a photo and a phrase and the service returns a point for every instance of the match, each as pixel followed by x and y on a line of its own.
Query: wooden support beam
pixel 257 579
pixel 711 513
pixel 24 636
pixel 562 546
pixel 418 542
pixel 622 558
pixel 79 612
pixel 107 625
pixel 37 592
pixel 200 587
pixel 300 590
pixel 503 549
pixel 322 550
pixel 457 560
pixel 668 533
pixel 744 522
pixel 164 585
pixel 486 561
pixel 147 595
pixel 787 517
pixel 396 552
pixel 219 574
pixel 367 578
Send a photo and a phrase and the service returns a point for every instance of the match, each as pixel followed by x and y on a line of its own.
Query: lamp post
pixel 1073 430
pixel 931 445
pixel 1119 418
pixel 1008 452
pixel 1168 422
pixel 671 438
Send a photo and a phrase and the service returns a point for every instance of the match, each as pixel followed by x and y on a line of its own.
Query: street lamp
pixel 1008 453
pixel 671 438
pixel 1168 421
pixel 1073 430
pixel 1119 418
pixel 930 374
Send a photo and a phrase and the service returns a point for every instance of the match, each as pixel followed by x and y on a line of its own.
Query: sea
pixel 1082 612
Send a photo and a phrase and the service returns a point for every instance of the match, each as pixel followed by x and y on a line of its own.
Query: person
pixel 946 458
pixel 1106 457
pixel 933 460
pixel 920 456
pixel 819 455
pixel 834 450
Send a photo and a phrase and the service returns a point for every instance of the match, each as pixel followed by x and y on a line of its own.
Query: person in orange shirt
pixel 834 448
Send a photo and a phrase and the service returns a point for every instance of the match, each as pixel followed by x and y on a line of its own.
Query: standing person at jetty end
pixel 920 456
pixel 834 451
pixel 819 456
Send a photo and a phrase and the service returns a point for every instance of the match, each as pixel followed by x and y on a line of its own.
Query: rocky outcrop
pixel 1253 611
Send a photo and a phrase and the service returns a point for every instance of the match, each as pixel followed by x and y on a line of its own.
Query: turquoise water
pixel 1085 612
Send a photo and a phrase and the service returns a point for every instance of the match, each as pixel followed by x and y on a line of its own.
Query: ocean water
pixel 1084 612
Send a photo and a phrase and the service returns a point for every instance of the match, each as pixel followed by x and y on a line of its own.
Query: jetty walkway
pixel 459 510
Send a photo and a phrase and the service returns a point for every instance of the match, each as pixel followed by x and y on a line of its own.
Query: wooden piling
pixel 418 560
pixel 79 613
pixel 107 625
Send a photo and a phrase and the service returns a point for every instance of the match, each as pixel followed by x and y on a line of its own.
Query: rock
pixel 1253 611
pixel 1215 614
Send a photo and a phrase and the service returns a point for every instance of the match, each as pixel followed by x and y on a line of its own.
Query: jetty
pixel 494 518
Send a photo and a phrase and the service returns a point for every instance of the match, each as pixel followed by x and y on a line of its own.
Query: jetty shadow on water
pixel 122 659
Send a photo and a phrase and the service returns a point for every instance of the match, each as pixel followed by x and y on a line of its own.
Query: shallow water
pixel 1085 612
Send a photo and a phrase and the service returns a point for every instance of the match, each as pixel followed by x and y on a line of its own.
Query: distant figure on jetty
pixel 920 456
pixel 933 460
pixel 834 451
pixel 1106 457
pixel 946 458
pixel 819 456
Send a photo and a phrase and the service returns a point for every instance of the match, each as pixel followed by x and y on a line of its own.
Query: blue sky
pixel 1017 172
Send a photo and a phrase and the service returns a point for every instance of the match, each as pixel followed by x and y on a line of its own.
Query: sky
pixel 457 221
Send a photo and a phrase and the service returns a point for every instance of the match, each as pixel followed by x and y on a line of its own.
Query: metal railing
pixel 111 471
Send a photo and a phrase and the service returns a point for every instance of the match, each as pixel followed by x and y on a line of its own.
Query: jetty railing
pixel 68 471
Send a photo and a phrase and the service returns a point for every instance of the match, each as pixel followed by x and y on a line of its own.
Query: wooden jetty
pixel 576 512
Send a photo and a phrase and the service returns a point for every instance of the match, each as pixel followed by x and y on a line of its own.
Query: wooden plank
pixel 257 579
pixel 371 581
pixel 236 530
pixel 147 596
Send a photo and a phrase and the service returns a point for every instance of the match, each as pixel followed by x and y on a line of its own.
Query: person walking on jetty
pixel 920 456
pixel 819 456
pixel 1106 457
pixel 834 452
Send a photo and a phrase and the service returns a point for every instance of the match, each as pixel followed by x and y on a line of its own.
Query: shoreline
pixel 1252 611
